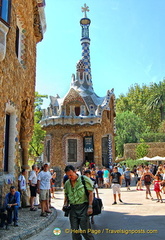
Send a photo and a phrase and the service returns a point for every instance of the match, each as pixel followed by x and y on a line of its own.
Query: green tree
pixel 141 149
pixel 135 101
pixel 129 128
pixel 157 98
pixel 153 137
pixel 146 103
pixel 36 144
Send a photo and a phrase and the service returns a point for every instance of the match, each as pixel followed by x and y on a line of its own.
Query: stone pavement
pixel 30 223
pixel 136 218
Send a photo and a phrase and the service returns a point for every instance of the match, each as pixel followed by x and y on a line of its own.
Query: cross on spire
pixel 85 9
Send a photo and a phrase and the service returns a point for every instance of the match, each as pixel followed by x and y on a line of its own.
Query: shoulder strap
pixel 83 182
pixel 66 194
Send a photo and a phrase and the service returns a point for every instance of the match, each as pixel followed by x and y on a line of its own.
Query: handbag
pixel 97 202
pixel 97 206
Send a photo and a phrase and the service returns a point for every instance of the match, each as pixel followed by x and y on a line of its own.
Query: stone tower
pixel 80 126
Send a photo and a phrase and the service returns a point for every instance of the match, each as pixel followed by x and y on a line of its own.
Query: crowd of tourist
pixel 117 175
pixel 42 187
pixel 42 184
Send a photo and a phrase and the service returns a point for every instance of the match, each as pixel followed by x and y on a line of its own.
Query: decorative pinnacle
pixel 85 9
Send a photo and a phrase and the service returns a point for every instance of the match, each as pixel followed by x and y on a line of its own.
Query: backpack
pixel 147 178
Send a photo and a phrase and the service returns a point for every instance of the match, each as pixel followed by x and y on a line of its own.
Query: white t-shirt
pixel 44 178
pixel 33 177
pixel 22 182
pixel 139 173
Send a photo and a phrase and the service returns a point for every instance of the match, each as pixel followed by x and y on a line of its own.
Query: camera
pixel 66 210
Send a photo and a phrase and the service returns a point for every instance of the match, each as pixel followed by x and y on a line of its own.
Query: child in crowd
pixel 157 189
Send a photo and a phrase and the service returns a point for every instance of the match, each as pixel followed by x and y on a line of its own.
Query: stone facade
pixel 155 149
pixel 80 126
pixel 58 136
pixel 23 30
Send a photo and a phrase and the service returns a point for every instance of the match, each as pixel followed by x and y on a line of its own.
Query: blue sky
pixel 127 45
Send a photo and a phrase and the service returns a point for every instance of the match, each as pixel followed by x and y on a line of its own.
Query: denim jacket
pixel 16 197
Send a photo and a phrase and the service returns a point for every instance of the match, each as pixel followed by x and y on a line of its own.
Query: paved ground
pixel 144 218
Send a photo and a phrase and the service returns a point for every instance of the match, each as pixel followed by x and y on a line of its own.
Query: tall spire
pixel 85 42
pixel 83 69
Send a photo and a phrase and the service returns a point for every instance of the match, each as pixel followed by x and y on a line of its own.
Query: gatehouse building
pixel 81 125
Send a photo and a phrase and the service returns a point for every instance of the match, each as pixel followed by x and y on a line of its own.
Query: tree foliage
pixel 129 128
pixel 143 108
pixel 153 137
pixel 157 98
pixel 36 144
pixel 136 102
pixel 141 150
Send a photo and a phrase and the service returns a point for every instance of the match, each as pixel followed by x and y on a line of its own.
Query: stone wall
pixel 155 149
pixel 17 88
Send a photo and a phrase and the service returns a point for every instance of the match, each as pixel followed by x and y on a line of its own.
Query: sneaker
pixel 114 203
pixel 120 200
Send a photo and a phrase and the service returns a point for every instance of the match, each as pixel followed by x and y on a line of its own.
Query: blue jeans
pixel 10 211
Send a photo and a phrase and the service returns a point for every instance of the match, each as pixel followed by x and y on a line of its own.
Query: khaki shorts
pixel 44 194
pixel 116 188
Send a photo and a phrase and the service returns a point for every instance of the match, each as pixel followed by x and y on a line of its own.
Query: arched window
pixel 17 42
pixel 7 142
pixel 5 8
